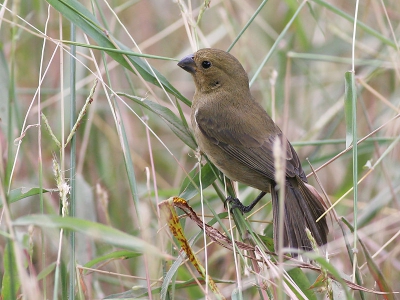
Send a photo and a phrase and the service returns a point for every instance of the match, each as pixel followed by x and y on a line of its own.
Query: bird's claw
pixel 235 203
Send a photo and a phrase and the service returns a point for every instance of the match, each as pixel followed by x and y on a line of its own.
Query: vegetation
pixel 95 134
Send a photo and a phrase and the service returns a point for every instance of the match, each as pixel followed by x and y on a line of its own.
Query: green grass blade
pixel 128 53
pixel 170 275
pixel 112 255
pixel 4 90
pixel 348 106
pixel 277 42
pixel 9 111
pixel 168 116
pixel 130 171
pixel 349 18
pixel 331 269
pixel 377 273
pixel 374 269
pixel 97 231
pixel 47 271
pixel 84 19
pixel 247 24
pixel 10 283
pixel 350 252
pixel 351 138
pixel 141 292
pixel 301 280
pixel 190 186
pixel 22 193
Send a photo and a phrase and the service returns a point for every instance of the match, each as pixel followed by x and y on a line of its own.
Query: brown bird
pixel 238 136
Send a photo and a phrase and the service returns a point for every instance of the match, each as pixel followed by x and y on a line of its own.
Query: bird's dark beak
pixel 187 63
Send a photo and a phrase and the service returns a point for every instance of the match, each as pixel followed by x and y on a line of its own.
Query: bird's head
pixel 212 69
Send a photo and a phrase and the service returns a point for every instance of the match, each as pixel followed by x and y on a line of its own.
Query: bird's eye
pixel 206 64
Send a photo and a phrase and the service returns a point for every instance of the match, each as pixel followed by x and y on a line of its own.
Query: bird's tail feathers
pixel 302 209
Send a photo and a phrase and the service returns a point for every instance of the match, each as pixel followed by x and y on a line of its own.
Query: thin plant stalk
pixel 72 210
pixel 355 148
pixel 276 43
pixel 40 166
pixel 247 24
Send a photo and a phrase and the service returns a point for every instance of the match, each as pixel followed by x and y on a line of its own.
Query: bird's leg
pixel 235 203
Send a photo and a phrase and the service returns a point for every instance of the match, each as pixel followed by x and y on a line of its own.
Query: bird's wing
pixel 248 140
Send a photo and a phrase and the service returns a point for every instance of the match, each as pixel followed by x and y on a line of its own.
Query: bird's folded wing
pixel 251 145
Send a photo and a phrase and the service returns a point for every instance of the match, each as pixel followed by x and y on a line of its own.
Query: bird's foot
pixel 235 203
